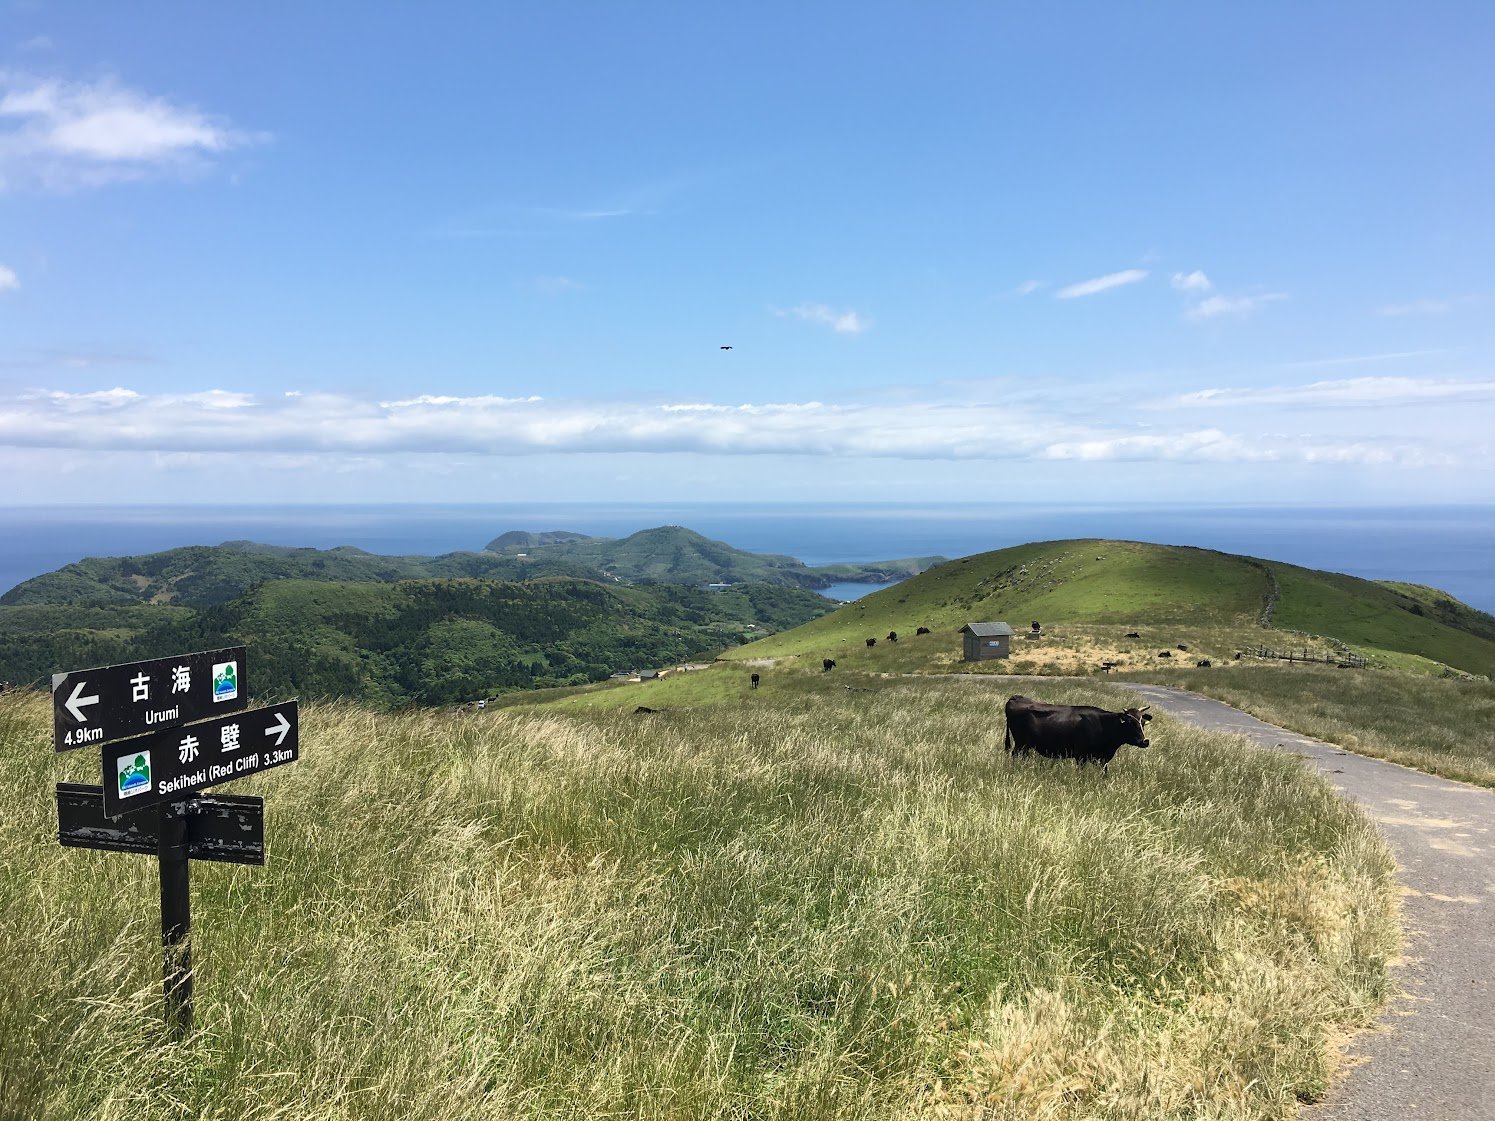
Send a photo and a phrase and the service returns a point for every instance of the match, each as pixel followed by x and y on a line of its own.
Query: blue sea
pixel 1447 547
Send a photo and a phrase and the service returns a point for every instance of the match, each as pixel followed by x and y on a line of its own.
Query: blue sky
pixel 354 252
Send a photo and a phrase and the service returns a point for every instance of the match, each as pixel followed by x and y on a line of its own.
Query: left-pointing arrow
pixel 75 703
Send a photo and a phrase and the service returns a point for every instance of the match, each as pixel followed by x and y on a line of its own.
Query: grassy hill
pixel 1089 593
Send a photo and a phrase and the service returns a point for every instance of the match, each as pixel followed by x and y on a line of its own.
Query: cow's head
pixel 1134 726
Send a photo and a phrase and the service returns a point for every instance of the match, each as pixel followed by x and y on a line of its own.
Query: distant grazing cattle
pixel 892 636
pixel 871 642
pixel 1037 626
pixel 1133 634
pixel 1203 663
pixel 1083 733
pixel 644 708
pixel 827 664
pixel 1165 653
pixel 755 681
pixel 921 630
pixel 1181 646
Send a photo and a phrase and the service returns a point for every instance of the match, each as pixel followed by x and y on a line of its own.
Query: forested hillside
pixel 416 641
pixel 201 575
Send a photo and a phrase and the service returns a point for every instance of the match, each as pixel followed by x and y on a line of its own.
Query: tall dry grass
pixel 833 904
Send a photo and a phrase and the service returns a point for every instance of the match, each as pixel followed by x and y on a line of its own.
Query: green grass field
pixel 834 897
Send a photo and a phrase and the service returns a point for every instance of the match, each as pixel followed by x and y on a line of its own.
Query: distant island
pixel 204 575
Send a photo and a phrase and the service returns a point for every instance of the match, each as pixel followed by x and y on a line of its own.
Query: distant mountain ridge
pixel 674 554
pixel 203 575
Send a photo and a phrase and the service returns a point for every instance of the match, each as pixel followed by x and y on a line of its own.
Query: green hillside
pixel 202 575
pixel 416 641
pixel 1089 593
pixel 679 555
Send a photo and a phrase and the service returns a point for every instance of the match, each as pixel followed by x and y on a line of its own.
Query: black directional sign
pixel 219 826
pixel 93 706
pixel 167 766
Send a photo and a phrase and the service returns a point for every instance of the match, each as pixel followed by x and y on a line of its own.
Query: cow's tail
pixel 1008 738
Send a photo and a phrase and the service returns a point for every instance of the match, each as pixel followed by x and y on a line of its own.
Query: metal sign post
pixel 151 798
pixel 176 920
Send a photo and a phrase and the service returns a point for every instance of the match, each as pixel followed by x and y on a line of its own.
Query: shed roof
pixel 986 630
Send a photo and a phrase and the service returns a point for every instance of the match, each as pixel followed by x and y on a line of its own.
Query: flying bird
pixel 726 348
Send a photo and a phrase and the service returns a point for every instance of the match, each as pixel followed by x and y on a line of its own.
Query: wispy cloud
pixel 1101 283
pixel 1194 281
pixel 1028 287
pixel 9 281
pixel 1344 392
pixel 1358 359
pixel 1429 307
pixel 843 322
pixel 67 135
pixel 1211 307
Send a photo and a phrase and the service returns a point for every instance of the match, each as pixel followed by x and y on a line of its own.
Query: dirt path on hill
pixel 1432 1055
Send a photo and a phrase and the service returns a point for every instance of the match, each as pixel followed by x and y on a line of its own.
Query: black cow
pixel 892 636
pixel 826 665
pixel 755 681
pixel 1203 663
pixel 1165 653
pixel 1133 634
pixel 1081 732
pixel 871 642
pixel 921 630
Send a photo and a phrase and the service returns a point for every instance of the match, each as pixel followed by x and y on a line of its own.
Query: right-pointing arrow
pixel 75 703
pixel 282 727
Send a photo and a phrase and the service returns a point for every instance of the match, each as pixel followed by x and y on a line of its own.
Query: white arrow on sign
pixel 75 703
pixel 283 728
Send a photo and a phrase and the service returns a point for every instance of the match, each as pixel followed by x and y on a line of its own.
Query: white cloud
pixel 1101 283
pixel 445 428
pixel 1429 307
pixel 1194 281
pixel 1214 306
pixel 1345 391
pixel 843 322
pixel 65 135
pixel 1028 287
pixel 1209 444
pixel 9 281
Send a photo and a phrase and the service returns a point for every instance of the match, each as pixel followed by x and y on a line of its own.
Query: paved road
pixel 1432 1056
